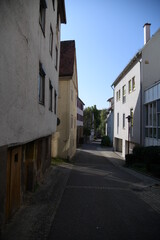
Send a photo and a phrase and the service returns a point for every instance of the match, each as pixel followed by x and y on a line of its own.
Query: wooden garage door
pixel 13 180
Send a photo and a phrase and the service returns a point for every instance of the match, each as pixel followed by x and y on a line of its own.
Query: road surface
pixel 104 201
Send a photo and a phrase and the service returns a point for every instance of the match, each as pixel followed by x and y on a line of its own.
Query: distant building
pixel 80 106
pixel 132 97
pixel 64 141
pixel 110 119
pixel 29 66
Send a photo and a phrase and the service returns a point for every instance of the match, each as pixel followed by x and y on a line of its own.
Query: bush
pixel 147 155
pixel 105 141
pixel 130 159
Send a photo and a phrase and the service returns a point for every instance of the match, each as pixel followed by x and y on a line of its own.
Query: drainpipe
pixel 113 120
pixel 141 104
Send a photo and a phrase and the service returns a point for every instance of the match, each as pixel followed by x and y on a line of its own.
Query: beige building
pixel 29 67
pixel 80 107
pixel 64 141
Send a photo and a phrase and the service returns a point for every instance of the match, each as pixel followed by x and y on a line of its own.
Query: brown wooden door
pixel 13 181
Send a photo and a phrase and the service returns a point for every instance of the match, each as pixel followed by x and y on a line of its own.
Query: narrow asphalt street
pixel 95 197
pixel 103 201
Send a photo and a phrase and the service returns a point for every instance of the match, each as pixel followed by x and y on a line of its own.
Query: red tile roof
pixel 67 55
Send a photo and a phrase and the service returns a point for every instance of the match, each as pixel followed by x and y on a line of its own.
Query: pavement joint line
pixel 98 188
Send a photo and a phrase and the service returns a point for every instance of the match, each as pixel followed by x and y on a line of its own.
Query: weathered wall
pixel 22 46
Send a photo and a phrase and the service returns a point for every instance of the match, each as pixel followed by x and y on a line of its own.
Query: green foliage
pixel 105 141
pixel 149 154
pixel 146 157
pixel 57 161
pixel 86 131
pixel 130 159
pixel 94 119
pixel 102 126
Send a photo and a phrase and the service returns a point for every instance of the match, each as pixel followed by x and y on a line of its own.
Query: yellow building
pixel 64 141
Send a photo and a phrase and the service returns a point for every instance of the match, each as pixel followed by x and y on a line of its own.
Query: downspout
pixel 113 120
pixel 141 103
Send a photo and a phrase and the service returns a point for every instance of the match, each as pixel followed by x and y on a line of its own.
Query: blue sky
pixel 108 34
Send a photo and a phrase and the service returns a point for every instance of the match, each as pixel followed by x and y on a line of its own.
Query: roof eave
pixel 132 62
pixel 62 11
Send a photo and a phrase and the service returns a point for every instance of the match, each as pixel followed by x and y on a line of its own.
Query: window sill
pixel 41 103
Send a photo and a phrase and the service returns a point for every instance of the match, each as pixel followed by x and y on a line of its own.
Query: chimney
pixel 146 32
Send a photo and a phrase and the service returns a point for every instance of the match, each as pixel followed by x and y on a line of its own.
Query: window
pixel 57 20
pixel 55 101
pixel 51 40
pixel 41 84
pixel 56 63
pixel 133 84
pixel 42 14
pixel 152 127
pixel 154 114
pixel 158 133
pixel 53 3
pixel 118 95
pixel 146 132
pixel 50 96
pixel 129 86
pixel 150 114
pixel 124 120
pixel 71 121
pixel 146 113
pixel 124 93
pixel 131 114
pixel 158 118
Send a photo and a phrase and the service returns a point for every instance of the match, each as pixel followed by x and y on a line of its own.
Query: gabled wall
pixel 132 101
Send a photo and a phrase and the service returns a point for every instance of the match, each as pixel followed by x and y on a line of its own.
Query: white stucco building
pixel 80 107
pixel 29 67
pixel 110 119
pixel 140 73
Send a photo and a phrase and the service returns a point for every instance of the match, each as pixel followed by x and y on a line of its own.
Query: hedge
pixel 147 155
pixel 105 141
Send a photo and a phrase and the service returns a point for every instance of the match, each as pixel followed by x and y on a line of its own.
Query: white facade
pixel 80 113
pixel 123 106
pixel 29 68
pixel 23 45
pixel 150 86
pixel 110 120
pixel 144 69
pixel 151 61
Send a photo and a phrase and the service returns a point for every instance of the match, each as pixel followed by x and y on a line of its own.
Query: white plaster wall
pixel 132 101
pixel 22 46
pixel 151 61
pixel 80 112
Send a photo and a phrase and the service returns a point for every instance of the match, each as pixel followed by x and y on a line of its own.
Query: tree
pixel 91 120
pixel 102 127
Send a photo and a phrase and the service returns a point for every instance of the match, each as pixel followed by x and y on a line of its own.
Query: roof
pixel 80 100
pixel 133 61
pixel 110 99
pixel 67 57
pixel 62 11
pixel 130 65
